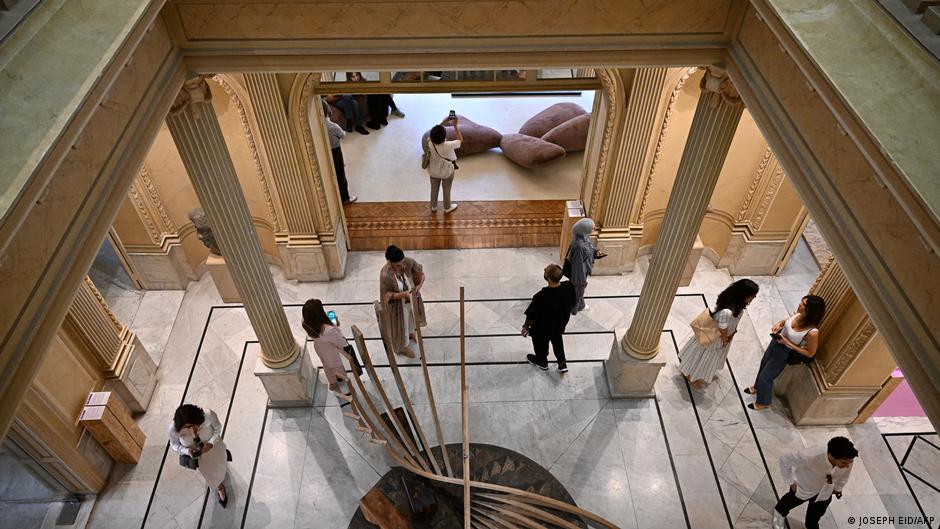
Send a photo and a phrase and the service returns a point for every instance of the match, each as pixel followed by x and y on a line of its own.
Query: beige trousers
pixel 436 185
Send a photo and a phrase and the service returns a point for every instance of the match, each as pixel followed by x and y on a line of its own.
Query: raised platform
pixel 474 224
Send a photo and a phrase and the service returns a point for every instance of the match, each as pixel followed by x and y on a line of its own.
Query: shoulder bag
pixel 426 159
pixel 705 328
pixel 452 162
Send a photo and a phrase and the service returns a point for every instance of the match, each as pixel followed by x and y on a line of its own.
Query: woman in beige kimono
pixel 400 283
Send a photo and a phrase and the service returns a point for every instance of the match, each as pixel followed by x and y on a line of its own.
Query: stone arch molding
pixel 298 110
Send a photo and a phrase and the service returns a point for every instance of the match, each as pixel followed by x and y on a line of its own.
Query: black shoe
pixel 562 367
pixel 228 454
pixel 535 361
pixel 374 126
pixel 748 391
pixel 383 121
pixel 361 130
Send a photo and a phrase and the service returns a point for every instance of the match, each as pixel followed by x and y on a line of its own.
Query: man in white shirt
pixel 443 163
pixel 814 477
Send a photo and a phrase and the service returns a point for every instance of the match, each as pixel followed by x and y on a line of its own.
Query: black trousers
pixel 814 512
pixel 378 108
pixel 340 167
pixel 540 344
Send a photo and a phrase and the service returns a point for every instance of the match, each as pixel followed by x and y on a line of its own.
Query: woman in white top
pixel 197 433
pixel 797 335
pixel 328 341
pixel 443 163
pixel 699 363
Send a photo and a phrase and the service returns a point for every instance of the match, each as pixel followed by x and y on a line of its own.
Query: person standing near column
pixel 546 318
pixel 400 282
pixel 336 134
pixel 795 341
pixel 579 261
pixel 196 435
pixel 700 362
pixel 815 477
pixel 443 163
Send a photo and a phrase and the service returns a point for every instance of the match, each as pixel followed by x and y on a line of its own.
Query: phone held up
pixel 452 116
pixel 332 316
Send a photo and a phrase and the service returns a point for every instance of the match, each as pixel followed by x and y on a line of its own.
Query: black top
pixel 550 309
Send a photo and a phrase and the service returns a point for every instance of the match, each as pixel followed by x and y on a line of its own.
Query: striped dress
pixel 701 363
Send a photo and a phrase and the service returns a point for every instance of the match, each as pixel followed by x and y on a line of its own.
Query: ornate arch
pixel 667 117
pixel 237 94
pixel 299 114
pixel 612 84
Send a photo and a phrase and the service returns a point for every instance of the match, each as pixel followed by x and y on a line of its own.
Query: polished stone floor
pixel 685 458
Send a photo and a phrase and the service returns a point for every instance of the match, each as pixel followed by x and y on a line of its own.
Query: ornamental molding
pixel 769 195
pixel 403 224
pixel 755 183
pixel 300 118
pixel 849 353
pixel 667 118
pixel 166 223
pixel 252 148
pixel 143 212
pixel 610 80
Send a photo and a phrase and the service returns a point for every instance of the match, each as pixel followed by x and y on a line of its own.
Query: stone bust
pixel 204 231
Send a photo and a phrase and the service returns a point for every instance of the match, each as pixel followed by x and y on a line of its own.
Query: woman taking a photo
pixel 794 342
pixel 328 341
pixel 196 435
pixel 699 363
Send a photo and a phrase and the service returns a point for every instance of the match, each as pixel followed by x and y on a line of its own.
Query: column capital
pixel 716 80
pixel 194 90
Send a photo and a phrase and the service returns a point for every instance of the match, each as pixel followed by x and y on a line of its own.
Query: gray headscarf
pixel 582 228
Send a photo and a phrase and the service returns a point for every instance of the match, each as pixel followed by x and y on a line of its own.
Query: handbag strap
pixel 439 154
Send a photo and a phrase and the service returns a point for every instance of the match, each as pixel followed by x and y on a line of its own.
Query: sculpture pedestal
pixel 628 377
pixel 222 279
pixel 289 386
pixel 136 375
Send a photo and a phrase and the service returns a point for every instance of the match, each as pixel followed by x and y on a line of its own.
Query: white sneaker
pixel 780 521
pixel 398 113
pixel 585 308
pixel 453 206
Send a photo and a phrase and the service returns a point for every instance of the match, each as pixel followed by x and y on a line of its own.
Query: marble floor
pixel 685 458
pixel 386 165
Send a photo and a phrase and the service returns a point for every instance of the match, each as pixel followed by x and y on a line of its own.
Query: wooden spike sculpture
pixel 485 505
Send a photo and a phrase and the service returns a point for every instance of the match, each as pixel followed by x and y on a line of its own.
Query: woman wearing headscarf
pixel 580 260
pixel 400 283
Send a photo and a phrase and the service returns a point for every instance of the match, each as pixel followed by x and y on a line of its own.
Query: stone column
pixel 852 363
pixel 128 368
pixel 195 129
pixel 716 118
pixel 300 249
pixel 629 154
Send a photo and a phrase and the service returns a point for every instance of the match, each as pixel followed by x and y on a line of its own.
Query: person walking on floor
pixel 400 283
pixel 795 341
pixel 328 341
pixel 443 163
pixel 546 318
pixel 814 476
pixel 336 134
pixel 196 435
pixel 579 260
pixel 698 362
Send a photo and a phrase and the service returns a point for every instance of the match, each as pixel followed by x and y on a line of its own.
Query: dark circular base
pixel 488 463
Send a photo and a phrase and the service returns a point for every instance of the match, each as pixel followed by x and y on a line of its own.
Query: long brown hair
pixel 314 317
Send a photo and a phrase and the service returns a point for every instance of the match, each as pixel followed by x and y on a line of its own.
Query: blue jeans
pixel 351 110
pixel 771 365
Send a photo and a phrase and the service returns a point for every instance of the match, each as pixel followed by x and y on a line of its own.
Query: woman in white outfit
pixel 197 433
pixel 699 363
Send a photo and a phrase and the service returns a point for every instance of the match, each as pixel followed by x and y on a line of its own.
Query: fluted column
pixel 195 130
pixel 716 118
pixel 123 360
pixel 619 233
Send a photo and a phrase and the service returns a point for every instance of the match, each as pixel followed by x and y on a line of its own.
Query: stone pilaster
pixel 195 130
pixel 300 248
pixel 716 118
pixel 852 361
pixel 127 366
pixel 629 152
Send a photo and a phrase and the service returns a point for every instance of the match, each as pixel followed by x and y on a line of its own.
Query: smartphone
pixel 332 316
pixel 452 115
pixel 775 335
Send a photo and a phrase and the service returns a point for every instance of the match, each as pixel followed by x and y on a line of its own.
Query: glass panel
pixel 349 77
pixel 406 77
pixel 567 73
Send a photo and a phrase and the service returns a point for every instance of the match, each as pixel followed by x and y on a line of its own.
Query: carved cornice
pixel 662 137
pixel 755 183
pixel 167 224
pixel 89 286
pixel 768 198
pixel 143 212
pixel 252 148
pixel 716 80
pixel 850 351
